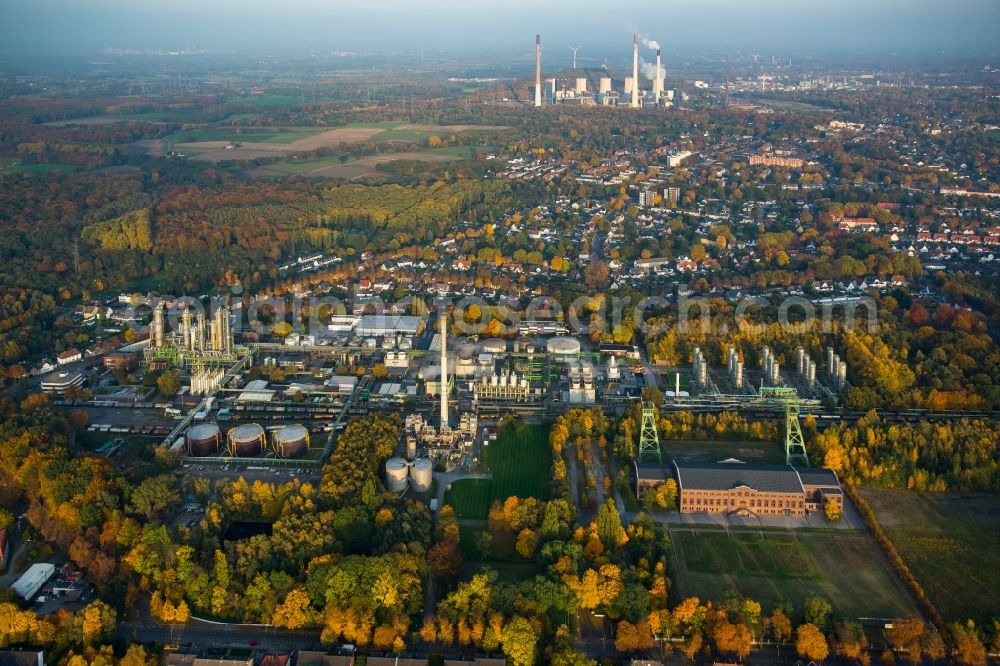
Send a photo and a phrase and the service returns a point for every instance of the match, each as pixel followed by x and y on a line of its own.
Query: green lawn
pixel 950 542
pixel 847 568
pixel 520 461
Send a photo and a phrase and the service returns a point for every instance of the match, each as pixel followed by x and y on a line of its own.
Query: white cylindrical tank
pixel 563 346
pixel 396 471
pixel 629 84
pixel 581 85
pixel 422 475
pixel 494 346
pixel 411 447
pixel 605 85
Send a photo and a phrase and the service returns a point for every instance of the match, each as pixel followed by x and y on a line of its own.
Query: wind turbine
pixel 574 49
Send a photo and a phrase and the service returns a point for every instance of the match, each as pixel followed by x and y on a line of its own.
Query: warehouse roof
pixel 812 476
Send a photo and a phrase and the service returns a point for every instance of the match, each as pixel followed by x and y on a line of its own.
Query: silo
pixel 581 85
pixel 629 84
pixel 422 474
pixel 739 374
pixel 203 440
pixel 494 346
pixel 246 441
pixel 396 471
pixel 563 346
pixel 605 85
pixel 292 441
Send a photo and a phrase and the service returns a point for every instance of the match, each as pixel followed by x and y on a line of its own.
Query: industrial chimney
pixel 444 367
pixel 538 70
pixel 158 325
pixel 658 82
pixel 635 71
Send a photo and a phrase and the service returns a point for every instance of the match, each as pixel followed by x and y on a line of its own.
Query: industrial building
pixel 198 344
pixel 734 487
pixel 32 580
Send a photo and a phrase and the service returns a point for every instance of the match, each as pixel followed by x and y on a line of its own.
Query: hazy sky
pixel 954 27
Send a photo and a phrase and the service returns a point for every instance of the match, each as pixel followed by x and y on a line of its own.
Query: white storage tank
pixel 422 474
pixel 494 346
pixel 396 471
pixel 563 346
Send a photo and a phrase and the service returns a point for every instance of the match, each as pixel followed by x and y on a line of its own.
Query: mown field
pixel 950 542
pixel 846 568
pixel 13 165
pixel 520 461
pixel 246 136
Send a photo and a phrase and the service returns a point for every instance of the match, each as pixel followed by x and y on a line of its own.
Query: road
pixel 219 635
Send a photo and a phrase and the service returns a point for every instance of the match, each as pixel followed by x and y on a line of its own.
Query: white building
pixel 28 585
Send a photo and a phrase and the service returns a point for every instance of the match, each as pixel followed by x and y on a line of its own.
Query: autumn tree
pixel 520 639
pixel 810 642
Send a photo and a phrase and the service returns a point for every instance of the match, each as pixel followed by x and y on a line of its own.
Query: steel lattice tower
pixel 649 437
pixel 795 445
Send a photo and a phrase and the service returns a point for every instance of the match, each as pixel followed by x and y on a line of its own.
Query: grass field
pixel 847 568
pixel 951 543
pixel 255 136
pixel 275 100
pixel 520 461
pixel 13 165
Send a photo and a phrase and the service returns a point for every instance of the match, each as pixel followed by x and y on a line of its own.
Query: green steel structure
pixel 795 445
pixel 649 437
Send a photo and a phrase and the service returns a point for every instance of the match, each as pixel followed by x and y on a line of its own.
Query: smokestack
pixel 658 83
pixel 186 328
pixel 538 70
pixel 635 70
pixel 444 368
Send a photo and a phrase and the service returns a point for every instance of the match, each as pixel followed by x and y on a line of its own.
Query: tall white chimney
pixel 444 367
pixel 635 70
pixel 658 82
pixel 158 325
pixel 538 70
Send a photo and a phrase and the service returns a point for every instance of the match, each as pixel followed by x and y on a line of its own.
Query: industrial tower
pixel 635 71
pixel 444 368
pixel 649 437
pixel 795 445
pixel 538 70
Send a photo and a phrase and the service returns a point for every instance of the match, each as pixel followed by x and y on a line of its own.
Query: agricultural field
pixel 353 169
pixel 13 165
pixel 846 568
pixel 519 460
pixel 950 542
pixel 256 135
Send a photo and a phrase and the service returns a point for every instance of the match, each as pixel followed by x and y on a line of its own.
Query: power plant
pixel 575 89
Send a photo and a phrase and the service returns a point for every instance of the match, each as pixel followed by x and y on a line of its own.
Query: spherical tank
pixel 203 440
pixel 246 441
pixel 563 346
pixel 494 346
pixel 291 441
pixel 422 474
pixel 396 471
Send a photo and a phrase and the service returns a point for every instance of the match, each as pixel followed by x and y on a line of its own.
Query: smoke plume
pixel 650 43
pixel 648 70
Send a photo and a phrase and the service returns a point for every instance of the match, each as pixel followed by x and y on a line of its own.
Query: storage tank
pixel 605 85
pixel 246 441
pixel 422 474
pixel 563 346
pixel 494 346
pixel 396 471
pixel 203 440
pixel 581 85
pixel 292 441
pixel 629 84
